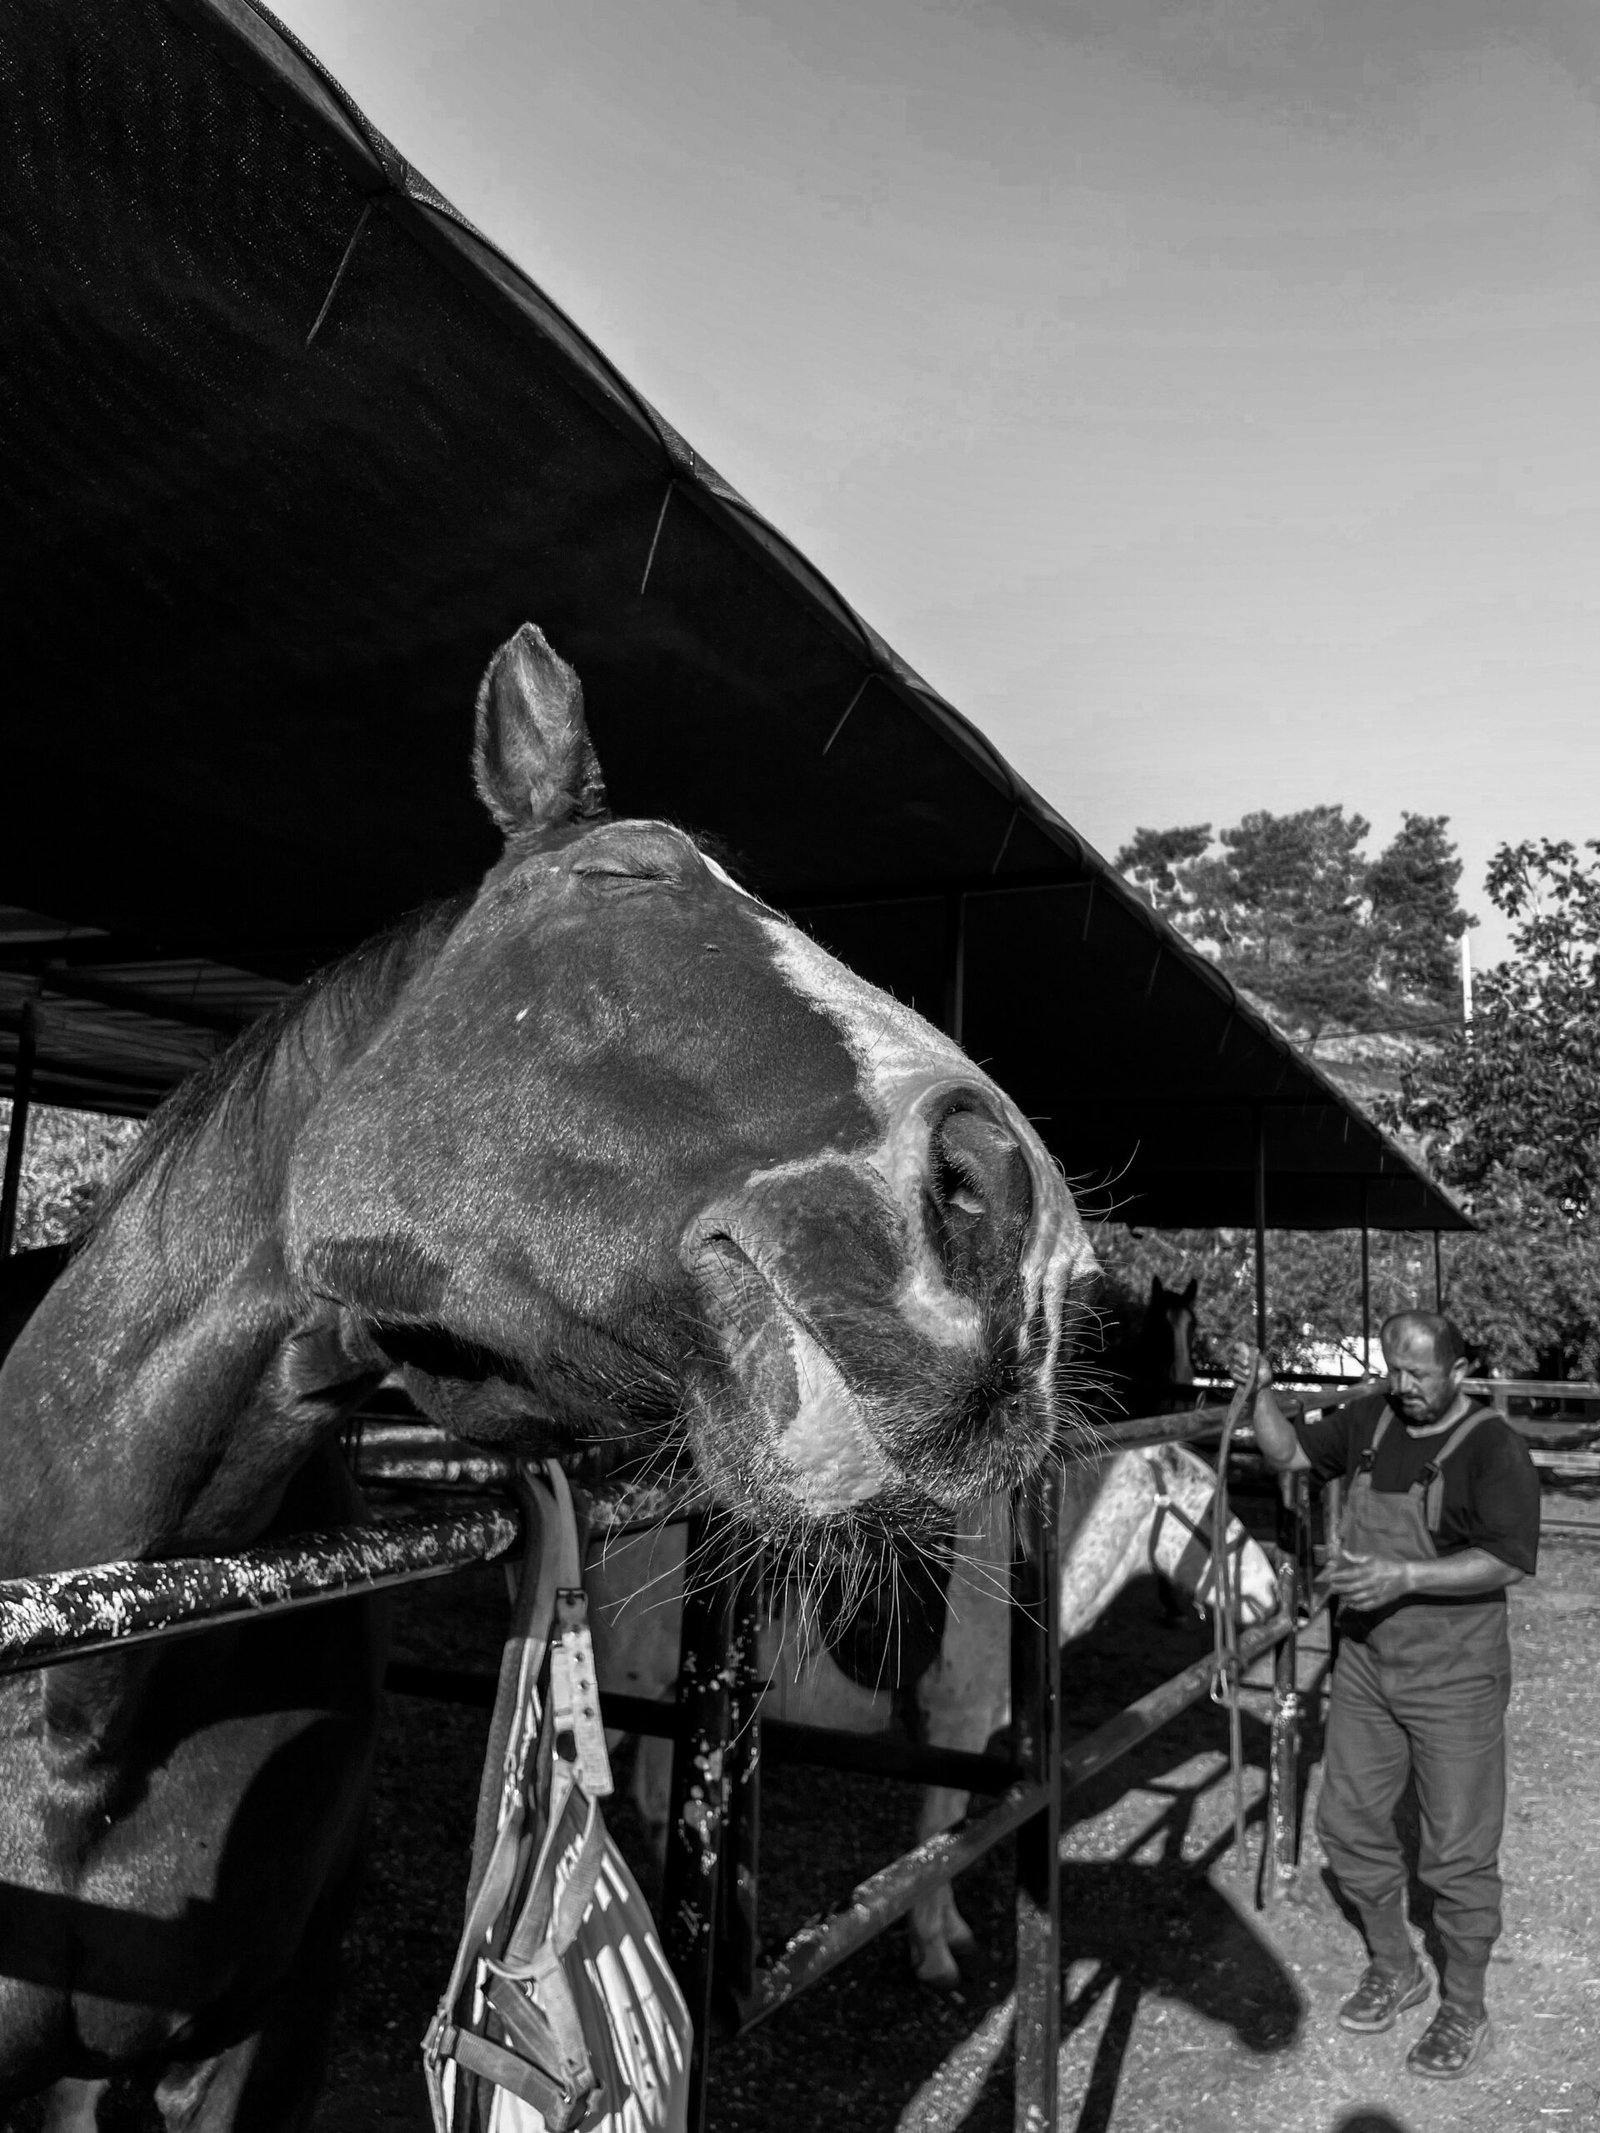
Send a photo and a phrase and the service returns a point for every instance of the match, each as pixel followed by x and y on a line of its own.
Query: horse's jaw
pixel 780 1426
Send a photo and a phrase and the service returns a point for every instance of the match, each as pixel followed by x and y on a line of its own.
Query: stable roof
pixel 289 447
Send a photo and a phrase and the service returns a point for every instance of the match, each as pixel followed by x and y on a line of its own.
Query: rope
pixel 1225 1613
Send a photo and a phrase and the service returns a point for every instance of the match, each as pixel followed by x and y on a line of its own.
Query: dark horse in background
pixel 1147 1352
pixel 604 1153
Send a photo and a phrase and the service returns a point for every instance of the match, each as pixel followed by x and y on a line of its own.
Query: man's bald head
pixel 1427 1361
pixel 1443 1334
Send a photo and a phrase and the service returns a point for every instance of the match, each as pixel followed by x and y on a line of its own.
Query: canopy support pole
pixel 1037 1744
pixel 1261 1228
pixel 16 1138
pixel 1366 1283
pixel 955 965
pixel 1438 1274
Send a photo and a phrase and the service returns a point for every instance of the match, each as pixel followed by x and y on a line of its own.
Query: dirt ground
pixel 1184 2006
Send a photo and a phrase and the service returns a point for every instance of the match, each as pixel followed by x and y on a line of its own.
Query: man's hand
pixel 1247 1366
pixel 1369 1582
pixel 1243 1359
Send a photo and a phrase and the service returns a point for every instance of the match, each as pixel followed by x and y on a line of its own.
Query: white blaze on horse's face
pixel 988 1247
pixel 910 1070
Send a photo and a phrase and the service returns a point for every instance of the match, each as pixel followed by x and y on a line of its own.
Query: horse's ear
pixel 532 760
pixel 1191 1292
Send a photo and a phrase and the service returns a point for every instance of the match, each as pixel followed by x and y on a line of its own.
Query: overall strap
pixel 1365 1461
pixel 1431 1480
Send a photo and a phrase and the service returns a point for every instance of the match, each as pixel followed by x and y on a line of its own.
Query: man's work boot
pixel 1382 1995
pixel 1453 2042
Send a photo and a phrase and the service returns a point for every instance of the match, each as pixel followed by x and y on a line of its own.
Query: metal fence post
pixel 16 1138
pixel 740 1941
pixel 1261 1226
pixel 691 1880
pixel 1036 1731
pixel 1282 1849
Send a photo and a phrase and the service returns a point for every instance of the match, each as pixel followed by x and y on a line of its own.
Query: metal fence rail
pixel 68 1614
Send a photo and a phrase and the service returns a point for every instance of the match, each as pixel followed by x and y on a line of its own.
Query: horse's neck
pixel 1181 1371
pixel 173 1379
pixel 1162 1361
pixel 1106 1511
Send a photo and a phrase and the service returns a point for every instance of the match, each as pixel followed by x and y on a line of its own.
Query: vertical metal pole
pixel 691 1882
pixel 741 1866
pixel 1261 1227
pixel 16 1139
pixel 1366 1283
pixel 1438 1274
pixel 1283 1769
pixel 1036 1732
pixel 955 967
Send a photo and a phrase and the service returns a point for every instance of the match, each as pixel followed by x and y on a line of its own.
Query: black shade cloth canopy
pixel 288 449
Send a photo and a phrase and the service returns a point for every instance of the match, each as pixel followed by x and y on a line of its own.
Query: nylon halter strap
pixel 1201 1530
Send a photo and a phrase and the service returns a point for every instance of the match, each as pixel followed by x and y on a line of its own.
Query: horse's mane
pixel 336 1000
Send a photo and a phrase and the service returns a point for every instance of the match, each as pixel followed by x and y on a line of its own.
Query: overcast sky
pixel 1200 395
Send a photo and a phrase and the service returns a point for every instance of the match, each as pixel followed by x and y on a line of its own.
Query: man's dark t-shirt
pixel 1491 1487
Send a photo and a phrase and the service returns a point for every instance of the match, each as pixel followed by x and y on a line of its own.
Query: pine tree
pixel 1160 862
pixel 1298 916
pixel 1296 933
pixel 1416 918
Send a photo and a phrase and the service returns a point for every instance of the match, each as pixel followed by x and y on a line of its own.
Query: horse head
pixel 632 1153
pixel 1183 1540
pixel 1151 1509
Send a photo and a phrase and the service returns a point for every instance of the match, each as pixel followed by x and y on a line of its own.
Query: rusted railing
pixel 68 1614
pixel 709 1913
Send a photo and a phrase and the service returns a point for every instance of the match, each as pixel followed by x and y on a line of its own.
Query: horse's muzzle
pixel 881 1334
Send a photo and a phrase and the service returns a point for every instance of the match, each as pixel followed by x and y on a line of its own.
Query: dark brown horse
pixel 606 1151
pixel 1148 1348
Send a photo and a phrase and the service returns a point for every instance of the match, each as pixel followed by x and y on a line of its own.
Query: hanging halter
pixel 1202 1532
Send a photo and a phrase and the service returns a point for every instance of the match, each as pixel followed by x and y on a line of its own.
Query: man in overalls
pixel 1442 1514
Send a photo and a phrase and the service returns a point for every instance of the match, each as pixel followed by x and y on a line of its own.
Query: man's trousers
pixel 1389 1718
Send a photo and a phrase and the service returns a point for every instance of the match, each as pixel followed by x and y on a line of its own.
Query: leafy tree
pixel 1508 1113
pixel 1313 1287
pixel 1515 1098
pixel 67 1159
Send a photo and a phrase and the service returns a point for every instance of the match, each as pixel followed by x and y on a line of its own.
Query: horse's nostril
pixel 977 1162
pixel 980 1196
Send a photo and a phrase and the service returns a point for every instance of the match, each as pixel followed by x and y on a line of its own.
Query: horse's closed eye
pixel 601 870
